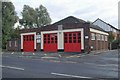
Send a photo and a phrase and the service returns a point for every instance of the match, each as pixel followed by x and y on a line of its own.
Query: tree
pixel 34 17
pixel 42 16
pixel 110 39
pixel 28 17
pixel 9 18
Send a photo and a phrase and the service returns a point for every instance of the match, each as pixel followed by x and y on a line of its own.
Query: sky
pixel 88 10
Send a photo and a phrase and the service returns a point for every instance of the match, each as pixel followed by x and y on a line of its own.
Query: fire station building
pixel 69 35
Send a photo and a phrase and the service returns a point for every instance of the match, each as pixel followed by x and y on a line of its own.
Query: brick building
pixel 69 35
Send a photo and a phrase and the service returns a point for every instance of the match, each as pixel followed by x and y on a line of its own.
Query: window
pixel 15 43
pixel 102 36
pixel 9 43
pixel 24 38
pixel 106 38
pixel 98 36
pixel 92 36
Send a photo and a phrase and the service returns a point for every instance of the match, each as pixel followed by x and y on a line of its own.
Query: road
pixel 102 65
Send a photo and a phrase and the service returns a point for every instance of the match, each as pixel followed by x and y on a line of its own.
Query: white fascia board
pixel 97 31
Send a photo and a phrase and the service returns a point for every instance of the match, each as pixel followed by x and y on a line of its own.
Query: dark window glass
pixel 48 42
pixel 70 34
pixel 55 41
pixel 48 38
pixel 70 41
pixel 33 38
pixel 44 41
pixel 44 36
pixel 55 37
pixel 74 37
pixel 65 38
pixel 79 40
pixel 74 41
pixel 74 34
pixel 52 38
pixel 70 37
pixel 65 34
pixel 27 38
pixel 65 41
pixel 24 38
pixel 79 34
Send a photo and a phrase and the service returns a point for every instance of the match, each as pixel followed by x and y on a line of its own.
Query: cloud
pixel 83 9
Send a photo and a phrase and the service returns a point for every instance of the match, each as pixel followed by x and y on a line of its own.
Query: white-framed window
pixel 92 36
pixel 102 37
pixel 15 43
pixel 106 38
pixel 98 36
pixel 9 43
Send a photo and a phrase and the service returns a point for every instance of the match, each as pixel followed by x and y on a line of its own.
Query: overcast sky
pixel 88 10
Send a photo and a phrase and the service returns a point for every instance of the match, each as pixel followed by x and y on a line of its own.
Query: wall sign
pixel 86 37
pixel 38 38
pixel 38 41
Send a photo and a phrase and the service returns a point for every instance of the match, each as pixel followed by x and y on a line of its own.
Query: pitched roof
pixel 72 19
pixel 69 19
pixel 105 23
pixel 97 27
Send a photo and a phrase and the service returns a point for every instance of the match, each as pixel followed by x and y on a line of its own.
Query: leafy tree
pixel 42 16
pixel 28 15
pixel 34 17
pixel 110 39
pixel 9 18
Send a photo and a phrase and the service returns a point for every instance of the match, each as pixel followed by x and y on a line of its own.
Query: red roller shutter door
pixel 50 42
pixel 28 43
pixel 72 41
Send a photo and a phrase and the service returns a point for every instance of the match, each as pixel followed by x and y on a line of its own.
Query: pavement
pixel 60 65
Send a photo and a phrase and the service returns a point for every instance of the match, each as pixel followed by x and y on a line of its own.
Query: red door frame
pixel 50 42
pixel 28 43
pixel 72 41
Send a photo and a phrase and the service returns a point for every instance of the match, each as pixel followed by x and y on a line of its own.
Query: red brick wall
pixel 98 44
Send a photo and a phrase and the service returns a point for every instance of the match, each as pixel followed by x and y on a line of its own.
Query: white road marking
pixel 115 65
pixel 106 65
pixel 70 62
pixel 74 76
pixel 12 53
pixel 12 67
pixel 73 56
pixel 54 61
pixel 50 57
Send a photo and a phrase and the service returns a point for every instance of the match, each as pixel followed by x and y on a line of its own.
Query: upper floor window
pixel 92 36
pixel 15 43
pixel 98 36
pixel 9 43
pixel 102 37
pixel 106 38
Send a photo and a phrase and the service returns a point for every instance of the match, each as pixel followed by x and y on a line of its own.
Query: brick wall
pixel 98 44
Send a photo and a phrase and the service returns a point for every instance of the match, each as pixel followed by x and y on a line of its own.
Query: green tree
pixel 110 39
pixel 42 16
pixel 28 17
pixel 9 18
pixel 34 17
